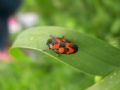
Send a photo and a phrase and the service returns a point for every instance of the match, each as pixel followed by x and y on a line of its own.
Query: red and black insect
pixel 61 45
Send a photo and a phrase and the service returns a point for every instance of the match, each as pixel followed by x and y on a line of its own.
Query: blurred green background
pixel 99 18
pixel 96 17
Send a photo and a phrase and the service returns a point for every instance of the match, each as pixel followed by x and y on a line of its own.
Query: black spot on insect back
pixel 62 44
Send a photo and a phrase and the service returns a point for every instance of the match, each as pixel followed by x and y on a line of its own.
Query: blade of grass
pixel 111 82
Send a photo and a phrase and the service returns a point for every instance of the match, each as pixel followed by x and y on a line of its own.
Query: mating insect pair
pixel 61 45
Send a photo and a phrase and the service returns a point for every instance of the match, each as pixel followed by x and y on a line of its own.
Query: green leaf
pixel 111 82
pixel 94 56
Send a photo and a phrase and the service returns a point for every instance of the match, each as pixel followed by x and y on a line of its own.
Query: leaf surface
pixel 94 56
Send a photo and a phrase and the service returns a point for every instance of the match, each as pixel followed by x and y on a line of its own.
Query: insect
pixel 61 45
